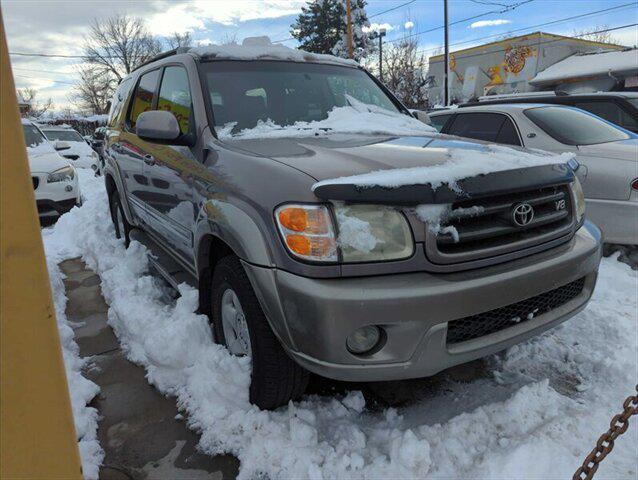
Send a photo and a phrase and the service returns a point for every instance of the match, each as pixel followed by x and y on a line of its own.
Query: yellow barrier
pixel 37 436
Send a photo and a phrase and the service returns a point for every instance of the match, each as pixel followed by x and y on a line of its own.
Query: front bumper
pixel 313 317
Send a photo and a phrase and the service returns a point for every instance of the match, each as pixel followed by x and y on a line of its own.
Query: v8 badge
pixel 560 204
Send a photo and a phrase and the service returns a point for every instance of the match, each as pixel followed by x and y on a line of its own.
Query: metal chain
pixel 605 443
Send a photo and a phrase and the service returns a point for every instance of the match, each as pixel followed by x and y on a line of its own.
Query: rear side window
pixel 438 121
pixel 175 96
pixel 143 96
pixel 610 111
pixel 118 100
pixel 481 126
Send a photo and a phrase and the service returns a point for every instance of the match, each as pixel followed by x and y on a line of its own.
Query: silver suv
pixel 237 217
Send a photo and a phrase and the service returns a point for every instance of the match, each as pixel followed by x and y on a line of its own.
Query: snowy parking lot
pixel 533 411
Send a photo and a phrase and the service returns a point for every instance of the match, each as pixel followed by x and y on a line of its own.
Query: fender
pixel 112 170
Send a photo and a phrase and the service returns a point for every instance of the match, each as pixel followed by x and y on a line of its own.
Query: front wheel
pixel 239 323
pixel 122 227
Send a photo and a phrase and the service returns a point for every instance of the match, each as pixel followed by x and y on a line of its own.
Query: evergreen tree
pixel 322 28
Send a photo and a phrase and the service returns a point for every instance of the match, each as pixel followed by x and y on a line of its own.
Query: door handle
pixel 149 159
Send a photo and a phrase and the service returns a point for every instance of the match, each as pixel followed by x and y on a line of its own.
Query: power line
pixel 553 22
pixel 43 71
pixel 44 78
pixel 508 9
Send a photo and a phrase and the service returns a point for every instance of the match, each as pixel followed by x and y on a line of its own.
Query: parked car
pixel 620 108
pixel 80 152
pixel 238 218
pixel 55 180
pixel 608 154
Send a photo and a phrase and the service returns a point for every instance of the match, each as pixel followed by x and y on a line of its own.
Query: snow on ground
pixel 356 118
pixel 535 412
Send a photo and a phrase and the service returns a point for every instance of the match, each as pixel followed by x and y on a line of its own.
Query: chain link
pixel 605 444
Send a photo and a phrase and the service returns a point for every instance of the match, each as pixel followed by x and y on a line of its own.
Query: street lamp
pixel 381 34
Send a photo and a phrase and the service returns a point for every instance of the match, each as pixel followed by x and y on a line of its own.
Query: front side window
pixel 32 136
pixel 143 96
pixel 438 121
pixel 63 135
pixel 285 92
pixel 481 126
pixel 175 96
pixel 574 127
pixel 610 111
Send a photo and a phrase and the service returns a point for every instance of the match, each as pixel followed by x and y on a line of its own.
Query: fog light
pixel 363 339
pixel 68 188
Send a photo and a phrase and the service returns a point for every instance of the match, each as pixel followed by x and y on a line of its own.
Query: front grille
pixel 36 182
pixel 476 326
pixel 72 157
pixel 486 227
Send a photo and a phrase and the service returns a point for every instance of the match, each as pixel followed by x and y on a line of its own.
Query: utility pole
pixel 381 35
pixel 349 30
pixel 446 56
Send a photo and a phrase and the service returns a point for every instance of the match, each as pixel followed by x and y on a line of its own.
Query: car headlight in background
pixel 63 174
pixel 372 233
pixel 579 199
pixel 366 233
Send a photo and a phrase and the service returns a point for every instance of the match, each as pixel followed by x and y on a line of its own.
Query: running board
pixel 163 263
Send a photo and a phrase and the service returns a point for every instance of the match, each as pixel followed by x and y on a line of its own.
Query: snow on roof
pixel 261 48
pixel 591 64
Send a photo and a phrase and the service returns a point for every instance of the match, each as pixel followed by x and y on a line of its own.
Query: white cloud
pixel 408 25
pixel 489 23
pixel 375 27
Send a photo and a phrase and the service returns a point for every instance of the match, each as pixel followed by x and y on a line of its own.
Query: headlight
pixel 61 175
pixel 369 233
pixel 307 232
pixel 579 199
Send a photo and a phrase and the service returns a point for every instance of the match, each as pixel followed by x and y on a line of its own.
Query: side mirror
pixel 422 116
pixel 59 145
pixel 157 126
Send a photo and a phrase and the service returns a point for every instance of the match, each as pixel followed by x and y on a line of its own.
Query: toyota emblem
pixel 522 214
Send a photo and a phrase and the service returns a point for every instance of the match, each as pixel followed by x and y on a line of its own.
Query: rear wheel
pixel 239 323
pixel 122 227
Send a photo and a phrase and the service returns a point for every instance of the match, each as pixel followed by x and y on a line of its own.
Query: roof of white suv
pixel 502 107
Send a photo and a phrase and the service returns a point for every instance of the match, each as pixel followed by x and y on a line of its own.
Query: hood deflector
pixel 497 183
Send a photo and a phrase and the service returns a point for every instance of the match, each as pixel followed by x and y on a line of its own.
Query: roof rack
pixel 169 53
pixel 504 96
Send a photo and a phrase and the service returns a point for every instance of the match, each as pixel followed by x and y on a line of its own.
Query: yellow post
pixel 349 30
pixel 37 436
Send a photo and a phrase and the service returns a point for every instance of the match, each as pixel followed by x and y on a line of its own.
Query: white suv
pixel 80 152
pixel 55 181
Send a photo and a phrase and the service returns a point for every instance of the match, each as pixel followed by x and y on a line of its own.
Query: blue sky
pixel 58 27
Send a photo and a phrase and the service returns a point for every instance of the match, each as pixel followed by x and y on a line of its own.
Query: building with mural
pixel 506 66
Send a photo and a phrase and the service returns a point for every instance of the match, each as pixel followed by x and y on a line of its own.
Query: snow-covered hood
pixel 81 149
pixel 44 160
pixel 621 150
pixel 356 161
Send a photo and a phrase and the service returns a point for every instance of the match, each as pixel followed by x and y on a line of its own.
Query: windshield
pixel 32 136
pixel 63 135
pixel 285 92
pixel 574 127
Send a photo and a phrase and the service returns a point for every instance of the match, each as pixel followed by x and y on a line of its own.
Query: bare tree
pixel 178 40
pixel 596 34
pixel 35 108
pixel 404 69
pixel 94 90
pixel 119 44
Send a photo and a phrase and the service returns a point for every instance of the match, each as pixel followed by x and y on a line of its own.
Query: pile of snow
pixel 356 118
pixel 260 48
pixel 535 414
pixel 588 65
pixel 54 116
pixel 462 163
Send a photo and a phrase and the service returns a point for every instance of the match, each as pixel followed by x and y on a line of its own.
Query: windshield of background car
pixel 32 136
pixel 63 135
pixel 285 92
pixel 574 127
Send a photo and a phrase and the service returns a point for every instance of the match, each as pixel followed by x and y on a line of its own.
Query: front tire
pixel 276 378
pixel 122 227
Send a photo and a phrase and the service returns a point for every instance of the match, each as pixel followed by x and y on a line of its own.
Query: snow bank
pixel 461 163
pixel 536 413
pixel 260 48
pixel 586 65
pixel 357 118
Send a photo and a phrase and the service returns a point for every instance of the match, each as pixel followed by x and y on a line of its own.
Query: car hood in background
pixel 45 161
pixel 621 150
pixel 78 148
pixel 335 156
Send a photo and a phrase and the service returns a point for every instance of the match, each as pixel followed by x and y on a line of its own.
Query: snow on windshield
pixel 358 117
